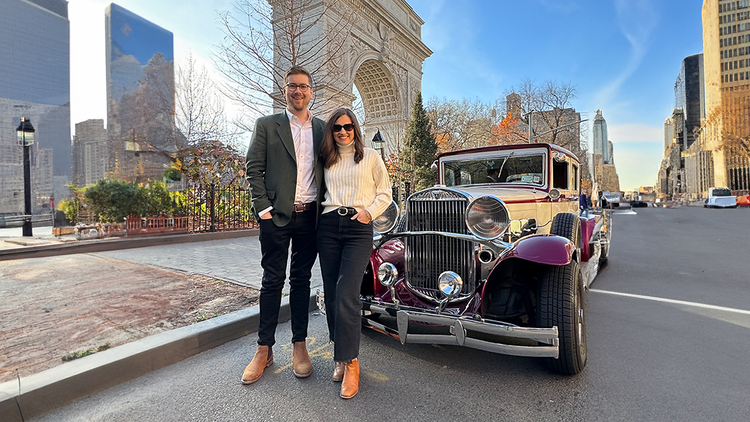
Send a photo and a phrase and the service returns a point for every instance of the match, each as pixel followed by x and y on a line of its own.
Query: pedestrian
pixel 357 191
pixel 583 204
pixel 285 179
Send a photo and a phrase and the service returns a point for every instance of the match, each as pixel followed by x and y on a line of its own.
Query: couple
pixel 298 166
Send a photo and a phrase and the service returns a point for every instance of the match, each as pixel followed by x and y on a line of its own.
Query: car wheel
pixel 567 225
pixel 561 303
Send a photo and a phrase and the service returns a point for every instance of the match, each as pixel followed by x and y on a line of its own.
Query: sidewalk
pixel 232 256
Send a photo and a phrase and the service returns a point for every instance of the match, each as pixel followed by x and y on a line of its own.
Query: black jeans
pixel 274 245
pixel 345 246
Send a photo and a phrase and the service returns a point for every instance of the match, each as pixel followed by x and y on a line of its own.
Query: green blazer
pixel 272 166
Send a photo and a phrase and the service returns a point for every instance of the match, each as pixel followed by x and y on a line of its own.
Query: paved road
pixel 668 323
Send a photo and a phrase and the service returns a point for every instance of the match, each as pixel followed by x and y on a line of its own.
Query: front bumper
pixel 542 342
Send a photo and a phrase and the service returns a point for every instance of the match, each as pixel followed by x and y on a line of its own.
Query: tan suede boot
pixel 350 384
pixel 263 359
pixel 338 372
pixel 302 365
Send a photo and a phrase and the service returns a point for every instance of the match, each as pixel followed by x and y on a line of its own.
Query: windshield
pixel 721 192
pixel 526 169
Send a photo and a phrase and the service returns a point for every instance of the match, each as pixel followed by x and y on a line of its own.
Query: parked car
pixel 638 202
pixel 500 266
pixel 743 201
pixel 720 198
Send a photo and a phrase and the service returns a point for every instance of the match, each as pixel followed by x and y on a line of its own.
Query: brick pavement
pixel 236 260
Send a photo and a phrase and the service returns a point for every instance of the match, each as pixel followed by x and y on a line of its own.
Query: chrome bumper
pixel 459 327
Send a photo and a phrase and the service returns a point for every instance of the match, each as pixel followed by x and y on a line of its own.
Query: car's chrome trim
pixel 497 246
pixel 459 332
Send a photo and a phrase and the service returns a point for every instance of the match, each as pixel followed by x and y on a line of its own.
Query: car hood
pixel 521 203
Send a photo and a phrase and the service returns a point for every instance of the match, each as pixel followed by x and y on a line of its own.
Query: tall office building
pixel 140 96
pixel 35 84
pixel 89 152
pixel 601 141
pixel 689 98
pixel 726 61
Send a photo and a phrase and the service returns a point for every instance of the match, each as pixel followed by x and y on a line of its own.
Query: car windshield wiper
pixel 505 161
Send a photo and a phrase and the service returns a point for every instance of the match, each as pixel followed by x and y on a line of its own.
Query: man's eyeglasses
pixel 302 87
pixel 347 127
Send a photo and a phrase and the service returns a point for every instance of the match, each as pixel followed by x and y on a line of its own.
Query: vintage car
pixel 720 198
pixel 494 257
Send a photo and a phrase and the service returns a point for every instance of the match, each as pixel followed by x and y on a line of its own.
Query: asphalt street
pixel 667 322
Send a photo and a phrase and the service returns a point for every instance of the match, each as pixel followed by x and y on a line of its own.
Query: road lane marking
pixel 673 301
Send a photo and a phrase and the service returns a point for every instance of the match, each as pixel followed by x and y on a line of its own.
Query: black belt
pixel 344 211
pixel 304 207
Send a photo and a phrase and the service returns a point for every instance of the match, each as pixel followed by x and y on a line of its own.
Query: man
pixel 285 182
pixel 493 172
pixel 583 204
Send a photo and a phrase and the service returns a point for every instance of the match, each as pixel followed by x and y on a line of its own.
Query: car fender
pixel 544 249
pixel 391 251
pixel 588 226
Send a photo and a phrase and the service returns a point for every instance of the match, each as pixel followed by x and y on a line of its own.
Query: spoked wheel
pixel 561 303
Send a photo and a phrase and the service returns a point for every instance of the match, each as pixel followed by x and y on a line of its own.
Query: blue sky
pixel 622 56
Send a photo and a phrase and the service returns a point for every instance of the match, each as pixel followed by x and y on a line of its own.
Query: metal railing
pixel 212 208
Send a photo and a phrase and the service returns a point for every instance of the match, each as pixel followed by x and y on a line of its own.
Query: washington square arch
pixel 374 45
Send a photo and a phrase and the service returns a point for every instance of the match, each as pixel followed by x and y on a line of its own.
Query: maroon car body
pixel 494 257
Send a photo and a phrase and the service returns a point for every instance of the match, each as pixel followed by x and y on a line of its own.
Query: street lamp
pixel 378 139
pixel 25 133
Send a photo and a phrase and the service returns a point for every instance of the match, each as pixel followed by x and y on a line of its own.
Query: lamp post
pixel 25 133
pixel 378 139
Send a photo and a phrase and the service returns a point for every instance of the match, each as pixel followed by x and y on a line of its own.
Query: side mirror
pixel 434 166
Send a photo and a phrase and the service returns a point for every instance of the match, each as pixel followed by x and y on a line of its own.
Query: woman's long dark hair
pixel 329 152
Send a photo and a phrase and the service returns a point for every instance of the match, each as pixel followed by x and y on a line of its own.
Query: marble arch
pixel 382 56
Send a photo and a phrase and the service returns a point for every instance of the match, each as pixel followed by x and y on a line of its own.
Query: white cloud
pixel 637 20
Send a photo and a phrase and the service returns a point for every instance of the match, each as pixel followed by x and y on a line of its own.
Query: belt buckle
pixel 343 211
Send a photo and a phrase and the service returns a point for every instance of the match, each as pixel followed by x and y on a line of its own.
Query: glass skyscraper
pixel 34 83
pixel 140 96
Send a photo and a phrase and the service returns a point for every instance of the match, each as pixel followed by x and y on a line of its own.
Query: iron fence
pixel 212 208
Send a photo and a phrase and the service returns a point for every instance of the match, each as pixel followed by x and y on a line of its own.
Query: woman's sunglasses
pixel 347 127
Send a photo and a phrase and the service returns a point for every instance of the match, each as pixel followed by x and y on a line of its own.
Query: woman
pixel 357 190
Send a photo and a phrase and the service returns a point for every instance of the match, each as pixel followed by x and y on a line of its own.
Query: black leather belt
pixel 344 211
pixel 304 207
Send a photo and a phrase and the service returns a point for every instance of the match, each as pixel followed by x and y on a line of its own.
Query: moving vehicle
pixel 499 264
pixel 720 197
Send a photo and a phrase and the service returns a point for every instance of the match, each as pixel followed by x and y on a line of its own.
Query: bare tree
pixel 463 123
pixel 263 38
pixel 200 108
pixel 550 105
pixel 546 110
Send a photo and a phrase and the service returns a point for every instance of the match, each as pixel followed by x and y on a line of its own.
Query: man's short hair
pixel 297 70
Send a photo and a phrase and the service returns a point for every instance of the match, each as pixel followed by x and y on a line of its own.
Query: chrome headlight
pixel 387 274
pixel 387 220
pixel 486 217
pixel 450 283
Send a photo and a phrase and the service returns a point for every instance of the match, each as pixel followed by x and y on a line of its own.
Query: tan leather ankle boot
pixel 350 384
pixel 263 359
pixel 300 358
pixel 338 372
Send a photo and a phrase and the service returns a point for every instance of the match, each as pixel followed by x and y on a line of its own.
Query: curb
pixel 111 244
pixel 66 383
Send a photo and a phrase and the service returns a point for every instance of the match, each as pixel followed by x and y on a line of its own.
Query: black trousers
pixel 345 246
pixel 274 245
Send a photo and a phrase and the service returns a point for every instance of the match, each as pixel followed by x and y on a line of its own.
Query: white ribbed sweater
pixel 364 186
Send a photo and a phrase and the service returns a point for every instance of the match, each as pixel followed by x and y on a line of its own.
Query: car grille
pixel 429 255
